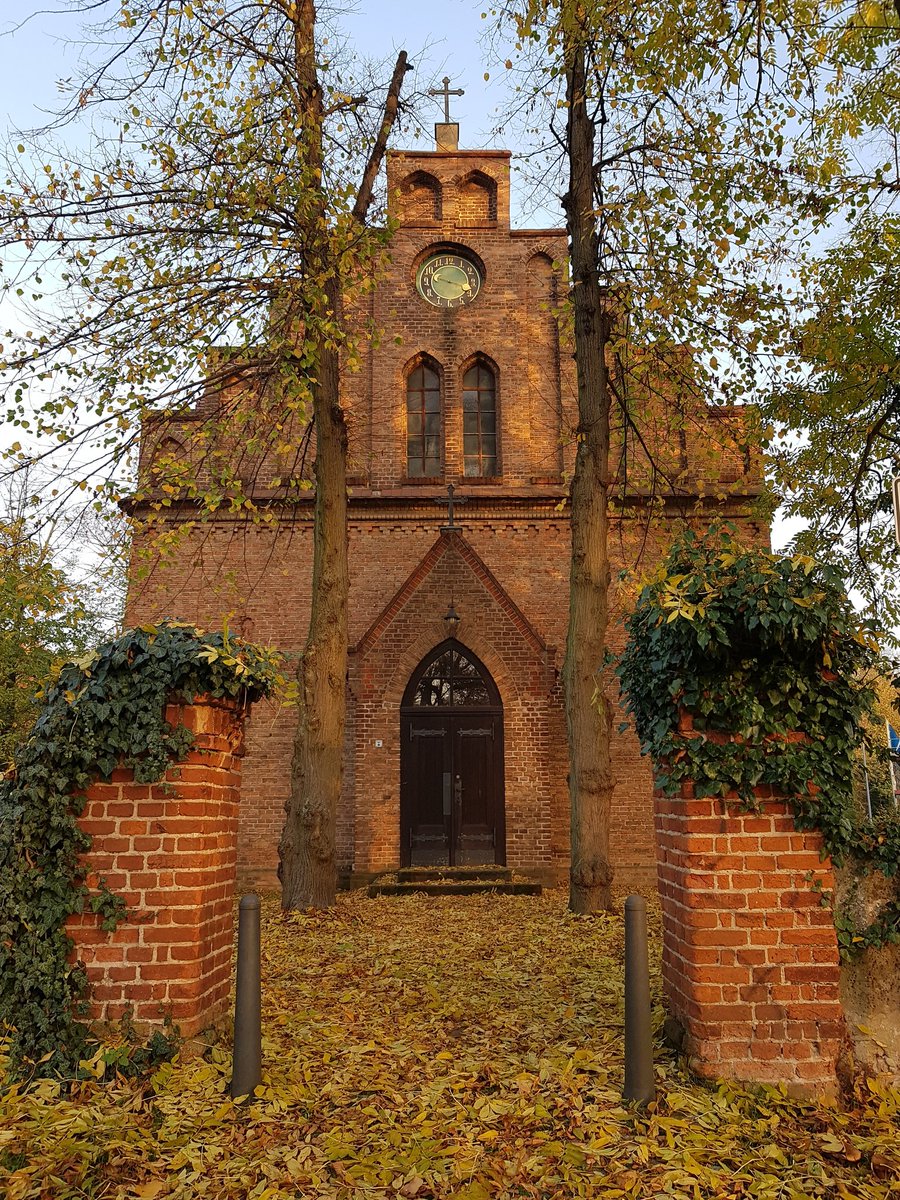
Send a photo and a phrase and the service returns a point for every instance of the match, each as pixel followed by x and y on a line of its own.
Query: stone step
pixel 448 887
pixel 450 874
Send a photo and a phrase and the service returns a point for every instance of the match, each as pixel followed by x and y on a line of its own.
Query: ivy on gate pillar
pixel 169 850
pixel 117 839
pixel 745 673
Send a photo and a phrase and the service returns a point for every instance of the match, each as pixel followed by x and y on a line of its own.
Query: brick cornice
pixel 482 503
pixel 537 233
pixel 412 155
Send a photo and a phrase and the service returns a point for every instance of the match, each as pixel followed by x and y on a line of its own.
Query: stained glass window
pixel 451 679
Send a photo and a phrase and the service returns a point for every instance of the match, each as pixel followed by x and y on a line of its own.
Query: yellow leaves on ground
pixel 428 1049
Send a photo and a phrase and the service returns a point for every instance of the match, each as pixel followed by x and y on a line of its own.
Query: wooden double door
pixel 451 770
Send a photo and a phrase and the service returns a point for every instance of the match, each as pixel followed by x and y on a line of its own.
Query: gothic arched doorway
pixel 451 763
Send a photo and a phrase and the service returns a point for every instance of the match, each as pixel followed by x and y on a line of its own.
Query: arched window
pixel 169 450
pixel 423 421
pixel 480 421
pixel 477 200
pixel 420 199
pixel 452 678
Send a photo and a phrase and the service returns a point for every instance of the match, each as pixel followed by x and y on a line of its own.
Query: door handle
pixel 457 791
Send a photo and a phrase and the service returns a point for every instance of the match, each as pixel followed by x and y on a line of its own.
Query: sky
pixel 446 38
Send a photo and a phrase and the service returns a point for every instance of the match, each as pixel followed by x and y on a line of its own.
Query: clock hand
pixel 448 282
pixel 454 276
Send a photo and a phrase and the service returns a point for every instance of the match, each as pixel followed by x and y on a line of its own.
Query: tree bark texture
pixel 588 712
pixel 307 853
pixel 307 849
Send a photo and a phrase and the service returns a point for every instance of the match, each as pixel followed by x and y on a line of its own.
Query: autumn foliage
pixel 463 1047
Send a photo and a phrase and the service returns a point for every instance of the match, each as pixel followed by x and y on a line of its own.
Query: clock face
pixel 448 280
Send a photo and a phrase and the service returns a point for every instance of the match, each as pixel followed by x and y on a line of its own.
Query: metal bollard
pixel 246 1071
pixel 640 1084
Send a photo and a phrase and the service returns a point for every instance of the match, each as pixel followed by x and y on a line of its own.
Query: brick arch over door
pixel 381 669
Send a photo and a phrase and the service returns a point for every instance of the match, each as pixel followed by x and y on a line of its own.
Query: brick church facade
pixel 456 747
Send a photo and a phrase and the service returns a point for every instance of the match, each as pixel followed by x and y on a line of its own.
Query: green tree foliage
pixel 44 620
pixel 202 256
pixel 190 218
pixel 675 128
pixel 756 645
pixel 834 438
pixel 705 176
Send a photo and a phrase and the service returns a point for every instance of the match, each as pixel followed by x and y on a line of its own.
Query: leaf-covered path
pixel 460 1047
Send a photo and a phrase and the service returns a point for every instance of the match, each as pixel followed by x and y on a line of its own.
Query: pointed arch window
pixel 420 199
pixel 423 421
pixel 453 678
pixel 480 420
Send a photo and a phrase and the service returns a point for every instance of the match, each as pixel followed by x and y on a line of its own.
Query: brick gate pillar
pixel 169 850
pixel 750 956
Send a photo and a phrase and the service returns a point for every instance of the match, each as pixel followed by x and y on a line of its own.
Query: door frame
pixel 410 711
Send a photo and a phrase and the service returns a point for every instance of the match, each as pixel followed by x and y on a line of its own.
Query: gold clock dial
pixel 448 280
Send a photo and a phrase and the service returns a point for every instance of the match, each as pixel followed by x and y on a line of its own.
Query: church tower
pixel 461 419
pixel 458 731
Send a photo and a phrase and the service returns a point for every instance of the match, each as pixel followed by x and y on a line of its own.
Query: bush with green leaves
pixel 762 648
pixel 45 618
pixel 106 710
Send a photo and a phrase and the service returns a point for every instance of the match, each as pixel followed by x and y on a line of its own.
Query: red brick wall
pixel 259 578
pixel 169 849
pixel 420 199
pixel 750 957
pixel 513 306
pixel 521 666
pixel 260 581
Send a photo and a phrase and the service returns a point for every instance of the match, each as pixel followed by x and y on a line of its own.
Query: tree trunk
pixel 307 864
pixel 307 867
pixel 588 712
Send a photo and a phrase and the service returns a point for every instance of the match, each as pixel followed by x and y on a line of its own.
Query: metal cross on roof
pixel 446 91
